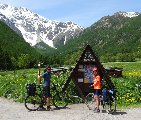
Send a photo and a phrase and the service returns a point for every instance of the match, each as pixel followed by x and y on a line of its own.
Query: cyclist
pixel 47 78
pixel 97 87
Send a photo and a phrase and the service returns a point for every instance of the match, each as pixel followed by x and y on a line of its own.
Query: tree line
pixel 118 41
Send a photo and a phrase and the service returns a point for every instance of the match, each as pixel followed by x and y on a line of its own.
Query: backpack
pixel 107 95
pixel 31 89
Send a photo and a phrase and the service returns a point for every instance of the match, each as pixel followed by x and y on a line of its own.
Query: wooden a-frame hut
pixel 82 75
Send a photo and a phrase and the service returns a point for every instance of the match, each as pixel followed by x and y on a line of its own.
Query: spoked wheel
pixel 60 100
pixel 106 106
pixel 32 102
pixel 90 102
pixel 110 105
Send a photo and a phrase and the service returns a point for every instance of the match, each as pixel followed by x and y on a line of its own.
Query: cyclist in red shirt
pixel 97 87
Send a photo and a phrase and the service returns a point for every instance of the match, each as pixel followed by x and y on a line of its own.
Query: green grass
pixel 127 66
pixel 128 95
pixel 12 85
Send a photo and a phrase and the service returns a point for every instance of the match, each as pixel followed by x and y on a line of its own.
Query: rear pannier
pixel 31 89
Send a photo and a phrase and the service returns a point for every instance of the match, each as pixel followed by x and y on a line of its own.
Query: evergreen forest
pixel 112 38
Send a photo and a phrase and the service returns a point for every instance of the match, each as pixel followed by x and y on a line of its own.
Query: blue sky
pixel 82 12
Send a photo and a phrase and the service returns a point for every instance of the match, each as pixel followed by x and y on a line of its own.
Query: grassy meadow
pixel 129 86
pixel 13 84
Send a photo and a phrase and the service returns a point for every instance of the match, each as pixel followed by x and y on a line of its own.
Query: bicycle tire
pixel 60 100
pixel 110 105
pixel 106 105
pixel 32 103
pixel 90 102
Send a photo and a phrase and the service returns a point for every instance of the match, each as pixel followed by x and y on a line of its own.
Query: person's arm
pixel 97 80
pixel 39 79
pixel 92 84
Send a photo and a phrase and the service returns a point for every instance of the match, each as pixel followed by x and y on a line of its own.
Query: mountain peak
pixel 35 28
pixel 115 19
pixel 128 14
pixel 3 6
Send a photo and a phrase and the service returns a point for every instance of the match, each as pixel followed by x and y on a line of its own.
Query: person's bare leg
pixel 97 102
pixel 48 101
pixel 48 104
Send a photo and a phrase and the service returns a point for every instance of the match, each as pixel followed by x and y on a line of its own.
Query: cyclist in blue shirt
pixel 47 77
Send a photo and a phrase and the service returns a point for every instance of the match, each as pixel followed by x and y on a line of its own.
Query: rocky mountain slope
pixel 115 20
pixel 113 38
pixel 35 28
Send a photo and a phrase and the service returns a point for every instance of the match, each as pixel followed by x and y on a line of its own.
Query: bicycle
pixel 107 101
pixel 35 98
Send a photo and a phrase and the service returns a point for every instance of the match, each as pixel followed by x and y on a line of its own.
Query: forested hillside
pixel 113 38
pixel 14 51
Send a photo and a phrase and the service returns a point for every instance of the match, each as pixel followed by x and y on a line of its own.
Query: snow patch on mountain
pixel 35 28
pixel 129 14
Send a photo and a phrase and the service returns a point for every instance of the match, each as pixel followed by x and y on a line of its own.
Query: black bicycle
pixel 35 98
pixel 107 101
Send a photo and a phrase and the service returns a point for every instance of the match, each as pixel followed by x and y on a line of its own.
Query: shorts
pixel 46 91
pixel 97 92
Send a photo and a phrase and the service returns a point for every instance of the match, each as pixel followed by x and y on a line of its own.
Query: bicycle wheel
pixel 32 102
pixel 90 102
pixel 110 105
pixel 60 100
pixel 106 106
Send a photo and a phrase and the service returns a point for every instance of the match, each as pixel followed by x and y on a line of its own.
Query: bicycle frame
pixel 59 99
pixel 108 105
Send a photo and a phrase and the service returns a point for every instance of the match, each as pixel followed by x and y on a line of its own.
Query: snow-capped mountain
pixel 116 19
pixel 35 28
pixel 129 14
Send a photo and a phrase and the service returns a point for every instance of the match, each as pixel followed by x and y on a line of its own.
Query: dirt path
pixel 16 111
